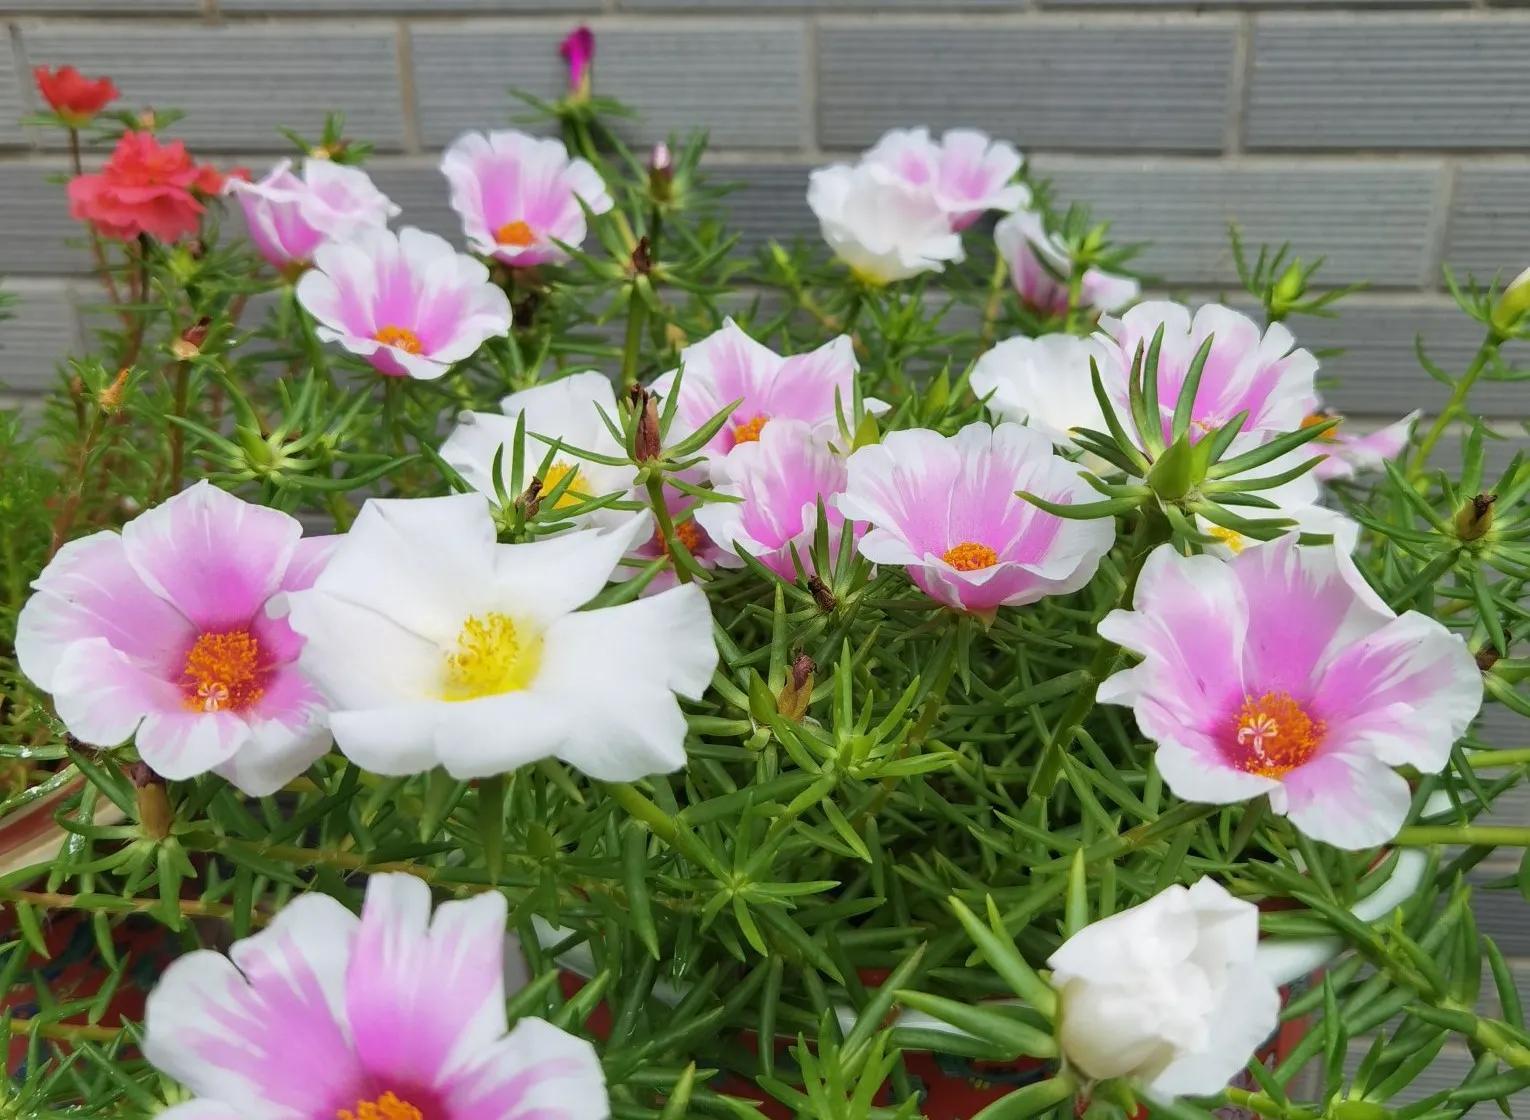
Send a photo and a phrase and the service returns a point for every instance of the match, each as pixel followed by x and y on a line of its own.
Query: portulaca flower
pixel 1039 267
pixel 966 172
pixel 161 632
pixel 563 412
pixel 1260 372
pixel 1349 454
pixel 728 365
pixel 1166 993
pixel 1279 672
pixel 397 1015
pixel 945 507
pixel 438 646
pixel 408 303
pixel 518 195
pixel 289 216
pixel 780 479
pixel 1045 383
pixel 882 227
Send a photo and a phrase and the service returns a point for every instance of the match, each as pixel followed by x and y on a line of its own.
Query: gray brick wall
pixel 1389 136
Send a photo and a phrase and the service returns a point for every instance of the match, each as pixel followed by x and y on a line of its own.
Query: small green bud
pixel 1177 471
pixel 1475 519
pixel 1291 286
pixel 1513 304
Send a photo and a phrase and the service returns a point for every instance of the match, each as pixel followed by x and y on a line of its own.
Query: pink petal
pixel 101 695
pixel 537 1072
pixel 183 742
pixel 425 996
pixel 1349 800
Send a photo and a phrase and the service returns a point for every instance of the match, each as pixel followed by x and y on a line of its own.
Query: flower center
pixel 1312 420
pixel 389 1106
pixel 401 337
pixel 573 493
pixel 969 556
pixel 1273 734
pixel 687 532
pixel 1230 537
pixel 223 672
pixel 516 233
pixel 749 431
pixel 492 657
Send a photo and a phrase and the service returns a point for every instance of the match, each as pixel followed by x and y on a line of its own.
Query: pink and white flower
pixel 289 216
pixel 966 172
pixel 946 508
pixel 1348 453
pixel 780 479
pixel 566 414
pixel 692 537
pixel 518 195
pixel 1166 993
pixel 408 303
pixel 161 632
pixel 1039 267
pixel 1248 370
pixel 817 388
pixel 882 227
pixel 438 646
pixel 1280 673
pixel 396 1015
pixel 1045 383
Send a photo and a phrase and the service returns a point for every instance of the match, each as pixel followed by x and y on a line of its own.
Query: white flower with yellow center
pixel 439 646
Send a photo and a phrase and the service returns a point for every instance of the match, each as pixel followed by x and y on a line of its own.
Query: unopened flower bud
pixel 1514 302
pixel 1173 475
pixel 189 345
pixel 110 398
pixel 1291 286
pixel 147 121
pixel 1475 518
pixel 642 257
pixel 794 698
pixel 821 594
pixel 646 441
pixel 661 173
pixel 578 50
pixel 155 816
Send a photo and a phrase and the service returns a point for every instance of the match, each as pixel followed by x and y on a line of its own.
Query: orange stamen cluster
pixel 1312 420
pixel 687 532
pixel 970 556
pixel 389 1106
pixel 516 233
pixel 1273 734
pixel 223 672
pixel 401 337
pixel 749 431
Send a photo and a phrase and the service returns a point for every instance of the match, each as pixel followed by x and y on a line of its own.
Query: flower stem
pixel 630 347
pixel 65 1032
pixel 995 300
pixel 672 544
pixel 1496 836
pixel 177 433
pixel 1456 404
pixel 97 248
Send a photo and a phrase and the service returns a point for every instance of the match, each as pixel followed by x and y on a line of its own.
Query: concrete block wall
pixel 1390 136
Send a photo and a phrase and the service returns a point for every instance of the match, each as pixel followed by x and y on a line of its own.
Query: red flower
pixel 145 187
pixel 74 97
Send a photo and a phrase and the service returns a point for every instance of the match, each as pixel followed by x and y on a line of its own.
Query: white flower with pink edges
pixel 966 173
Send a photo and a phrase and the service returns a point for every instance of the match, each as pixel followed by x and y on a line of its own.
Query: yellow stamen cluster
pixel 970 556
pixel 389 1106
pixel 1230 537
pixel 401 337
pixel 223 672
pixel 492 656
pixel 576 491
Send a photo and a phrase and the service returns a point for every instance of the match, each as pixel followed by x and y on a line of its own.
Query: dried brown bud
pixel 531 500
pixel 155 817
pixel 821 594
pixel 642 257
pixel 1487 657
pixel 189 345
pixel 1475 518
pixel 646 442
pixel 110 398
pixel 794 698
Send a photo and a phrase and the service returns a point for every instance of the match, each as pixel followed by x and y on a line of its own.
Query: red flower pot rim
pixel 1284 959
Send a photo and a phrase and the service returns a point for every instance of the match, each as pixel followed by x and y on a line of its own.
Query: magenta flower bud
pixel 578 50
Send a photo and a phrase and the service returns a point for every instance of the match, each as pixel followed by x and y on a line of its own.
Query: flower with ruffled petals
pixel 882 227
pixel 518 195
pixel 75 98
pixel 408 303
pixel 946 508
pixel 780 478
pixel 1039 267
pixel 1045 383
pixel 578 50
pixel 436 645
pixel 396 1015
pixel 289 216
pixel 1349 453
pixel 565 413
pixel 1280 673
pixel 1261 373
pixel 145 187
pixel 161 632
pixel 1166 993
pixel 966 173
pixel 817 388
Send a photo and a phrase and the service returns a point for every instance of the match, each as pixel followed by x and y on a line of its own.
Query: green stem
pixel 630 347
pixel 1491 760
pixel 65 1032
pixel 995 300
pixel 177 433
pixel 672 544
pixel 1075 298
pixel 1496 836
pixel 1456 404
